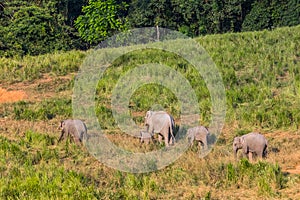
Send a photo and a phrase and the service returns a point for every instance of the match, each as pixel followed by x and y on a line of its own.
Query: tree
pixel 288 13
pixel 34 27
pixel 259 18
pixel 151 13
pixel 101 19
pixel 189 16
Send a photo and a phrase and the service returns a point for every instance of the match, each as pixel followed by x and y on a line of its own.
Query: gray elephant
pixel 75 129
pixel 145 137
pixel 200 134
pixel 162 123
pixel 251 143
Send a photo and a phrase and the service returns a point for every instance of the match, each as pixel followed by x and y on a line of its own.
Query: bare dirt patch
pixel 47 87
pixel 11 96
pixel 296 170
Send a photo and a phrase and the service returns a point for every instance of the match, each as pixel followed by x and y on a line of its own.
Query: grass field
pixel 261 75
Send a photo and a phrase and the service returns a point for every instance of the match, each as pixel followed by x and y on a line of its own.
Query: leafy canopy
pixel 101 19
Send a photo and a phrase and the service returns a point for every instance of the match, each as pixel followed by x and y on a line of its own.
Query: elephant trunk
pixel 147 127
pixel 235 150
pixel 60 138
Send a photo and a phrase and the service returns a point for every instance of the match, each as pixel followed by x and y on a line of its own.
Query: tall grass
pixel 261 75
pixel 260 71
pixel 30 169
pixel 45 110
pixel 30 68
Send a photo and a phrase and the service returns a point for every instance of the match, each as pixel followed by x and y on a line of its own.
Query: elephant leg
pixel 260 154
pixel 205 145
pixel 147 141
pixel 171 140
pixel 199 146
pixel 250 157
pixel 166 140
pixel 159 138
pixel 76 140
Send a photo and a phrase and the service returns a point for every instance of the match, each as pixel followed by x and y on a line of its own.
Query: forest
pixel 33 27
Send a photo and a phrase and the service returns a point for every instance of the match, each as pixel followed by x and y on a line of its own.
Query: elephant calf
pixel 251 143
pixel 200 134
pixel 145 137
pixel 75 129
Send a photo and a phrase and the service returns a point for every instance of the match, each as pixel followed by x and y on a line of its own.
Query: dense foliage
pixel 37 27
pixel 101 19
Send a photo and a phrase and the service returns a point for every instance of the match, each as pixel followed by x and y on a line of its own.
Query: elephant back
pixel 255 139
pixel 76 128
pixel 198 132
pixel 161 120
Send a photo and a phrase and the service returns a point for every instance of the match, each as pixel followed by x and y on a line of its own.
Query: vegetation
pixel 29 68
pixel 100 20
pixel 37 27
pixel 261 75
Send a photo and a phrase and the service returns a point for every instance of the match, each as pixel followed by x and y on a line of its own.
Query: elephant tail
pixel 172 126
pixel 265 153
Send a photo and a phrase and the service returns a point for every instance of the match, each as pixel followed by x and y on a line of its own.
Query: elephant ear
pixel 244 145
pixel 148 114
pixel 189 133
pixel 190 136
pixel 147 117
pixel 242 140
pixel 62 124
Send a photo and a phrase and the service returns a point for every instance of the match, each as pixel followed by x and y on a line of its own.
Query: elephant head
pixel 190 137
pixel 148 117
pixel 62 127
pixel 75 129
pixel 238 143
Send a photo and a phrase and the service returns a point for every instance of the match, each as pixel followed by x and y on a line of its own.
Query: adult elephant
pixel 162 123
pixel 251 143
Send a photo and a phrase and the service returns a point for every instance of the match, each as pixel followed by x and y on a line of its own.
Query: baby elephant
pixel 145 137
pixel 200 134
pixel 75 129
pixel 251 143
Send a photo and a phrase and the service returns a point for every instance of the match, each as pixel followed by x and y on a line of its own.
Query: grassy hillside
pixel 261 76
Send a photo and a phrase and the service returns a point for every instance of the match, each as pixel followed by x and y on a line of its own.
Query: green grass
pixel 30 68
pixel 45 110
pixel 261 76
pixel 32 169
pixel 260 71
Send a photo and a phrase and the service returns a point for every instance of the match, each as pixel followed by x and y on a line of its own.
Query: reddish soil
pixel 294 171
pixel 34 91
pixel 11 96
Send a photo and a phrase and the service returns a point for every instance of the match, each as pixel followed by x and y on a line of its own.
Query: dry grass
pixel 215 176
pixel 189 177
